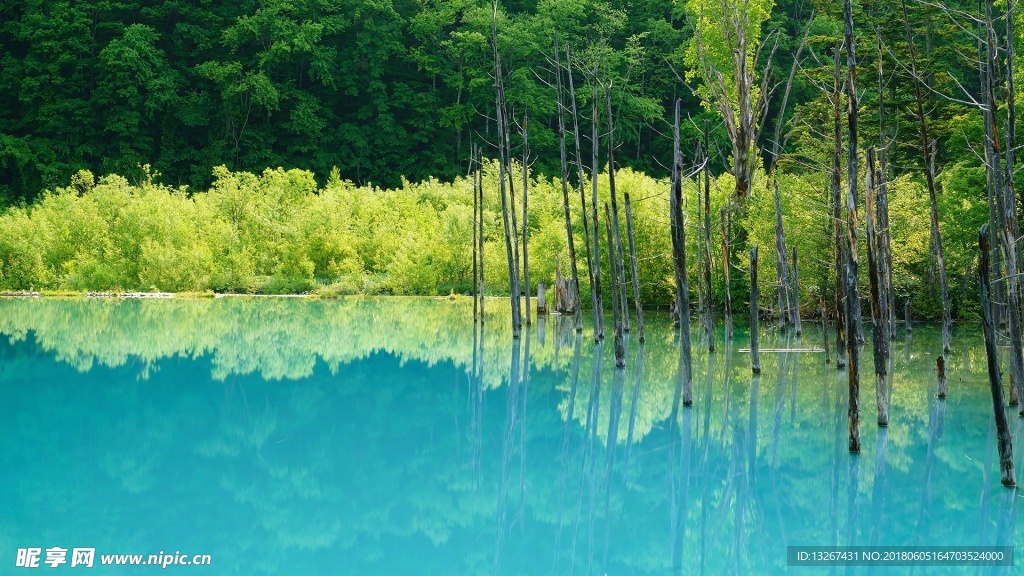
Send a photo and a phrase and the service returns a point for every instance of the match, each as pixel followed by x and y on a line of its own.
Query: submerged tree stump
pixel 940 368
pixel 994 378
pixel 565 296
pixel 542 299
pixel 906 317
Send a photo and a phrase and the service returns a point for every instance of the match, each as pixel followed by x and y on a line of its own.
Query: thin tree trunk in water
pixel 755 360
pixel 526 223
pixel 852 297
pixel 709 319
pixel 726 264
pixel 592 270
pixel 476 245
pixel 636 278
pixel 479 179
pixel 620 348
pixel 824 331
pixel 596 287
pixel 929 171
pixel 907 326
pixel 499 103
pixel 999 305
pixel 619 255
pixel 880 340
pixel 1011 118
pixel 795 298
pixel 578 313
pixel 781 267
pixel 678 231
pixel 854 331
pixel 837 219
pixel 700 254
pixel 1006 212
pixel 885 244
pixel 787 292
pixel 994 379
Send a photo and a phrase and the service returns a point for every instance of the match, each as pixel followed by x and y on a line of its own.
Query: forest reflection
pixel 395 436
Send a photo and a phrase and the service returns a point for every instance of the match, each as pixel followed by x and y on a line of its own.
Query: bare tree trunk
pixel 679 262
pixel 879 318
pixel 885 244
pixel 837 219
pixel 619 253
pixel 755 359
pixel 636 277
pixel 781 267
pixel 1011 118
pixel 726 264
pixel 526 223
pixel 592 270
pixel 795 298
pixel 499 103
pixel 476 245
pixel 565 191
pixel 1005 210
pixel 788 305
pixel 852 298
pixel 824 331
pixel 1009 478
pixel 709 311
pixel 929 171
pixel 907 326
pixel 620 348
pixel 596 287
pixel 700 251
pixel 479 179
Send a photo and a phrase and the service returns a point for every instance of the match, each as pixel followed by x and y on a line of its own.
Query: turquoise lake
pixel 386 437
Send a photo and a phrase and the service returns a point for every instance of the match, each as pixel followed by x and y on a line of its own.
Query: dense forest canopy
pixel 361 100
pixel 379 89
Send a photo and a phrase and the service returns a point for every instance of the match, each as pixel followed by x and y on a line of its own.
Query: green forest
pixel 303 146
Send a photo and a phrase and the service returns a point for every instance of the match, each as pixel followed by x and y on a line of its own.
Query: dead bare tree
pixel 479 180
pixel 837 219
pixel 1005 206
pixel 620 347
pixel 596 286
pixel 851 288
pixel 634 275
pixel 499 104
pixel 726 263
pixel 880 341
pixel 755 359
pixel 706 244
pixel 617 230
pixel 929 172
pixel 787 305
pixel 476 245
pixel 526 223
pixel 593 263
pixel 678 231
pixel 992 354
pixel 885 244
pixel 565 188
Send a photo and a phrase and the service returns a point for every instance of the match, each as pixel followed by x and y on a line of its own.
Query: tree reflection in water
pixel 325 437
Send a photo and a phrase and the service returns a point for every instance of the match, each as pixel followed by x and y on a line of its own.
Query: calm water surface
pixel 385 437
